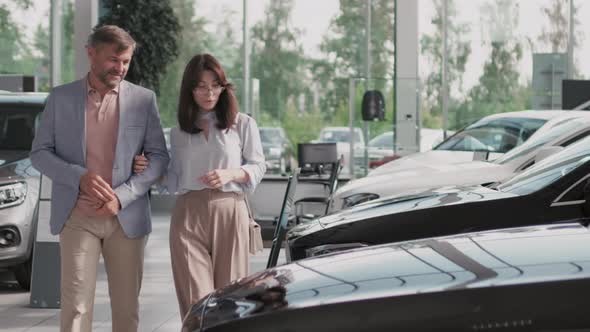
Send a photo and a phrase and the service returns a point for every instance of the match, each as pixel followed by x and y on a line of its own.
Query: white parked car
pixel 341 136
pixel 381 148
pixel 417 172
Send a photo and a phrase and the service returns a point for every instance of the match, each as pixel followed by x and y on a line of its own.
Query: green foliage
pixel 277 58
pixel 498 90
pixel 557 32
pixel 11 41
pixel 154 26
pixel 458 52
pixel 345 51
pixel 192 39
pixel 302 126
pixel 67 64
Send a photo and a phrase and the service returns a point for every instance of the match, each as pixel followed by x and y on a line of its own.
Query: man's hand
pixel 217 178
pixel 96 187
pixel 109 209
pixel 140 163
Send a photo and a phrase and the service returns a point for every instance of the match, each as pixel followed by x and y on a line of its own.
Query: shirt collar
pixel 90 89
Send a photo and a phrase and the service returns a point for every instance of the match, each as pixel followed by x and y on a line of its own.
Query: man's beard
pixel 103 77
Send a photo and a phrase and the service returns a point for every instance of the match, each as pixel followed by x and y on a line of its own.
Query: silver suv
pixel 19 182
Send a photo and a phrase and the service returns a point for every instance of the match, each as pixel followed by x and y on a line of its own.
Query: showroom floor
pixel 159 309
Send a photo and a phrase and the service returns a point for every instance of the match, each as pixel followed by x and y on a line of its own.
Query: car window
pixel 17 127
pixel 571 125
pixel 498 135
pixel 339 136
pixel 271 136
pixel 382 141
pixel 548 170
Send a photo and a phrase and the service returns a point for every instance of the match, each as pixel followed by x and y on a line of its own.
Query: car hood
pixel 484 259
pixel 426 176
pixel 9 156
pixel 426 159
pixel 412 200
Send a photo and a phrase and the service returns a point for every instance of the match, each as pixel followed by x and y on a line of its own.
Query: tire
pixel 23 274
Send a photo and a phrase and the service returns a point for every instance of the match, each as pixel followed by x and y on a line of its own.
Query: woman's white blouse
pixel 192 156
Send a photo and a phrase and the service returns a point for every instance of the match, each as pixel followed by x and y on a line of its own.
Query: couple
pixel 90 133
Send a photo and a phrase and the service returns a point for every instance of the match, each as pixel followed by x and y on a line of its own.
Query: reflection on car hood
pixel 413 200
pixel 485 259
pixel 9 156
pixel 426 159
pixel 426 176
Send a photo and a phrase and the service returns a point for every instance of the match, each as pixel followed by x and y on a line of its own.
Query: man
pixel 90 131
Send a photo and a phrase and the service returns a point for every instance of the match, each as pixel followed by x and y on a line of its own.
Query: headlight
pixel 358 199
pixel 12 194
pixel 330 248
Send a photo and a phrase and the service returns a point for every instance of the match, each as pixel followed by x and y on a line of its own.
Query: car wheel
pixel 23 274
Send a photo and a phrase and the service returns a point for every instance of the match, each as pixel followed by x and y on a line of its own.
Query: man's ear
pixel 90 51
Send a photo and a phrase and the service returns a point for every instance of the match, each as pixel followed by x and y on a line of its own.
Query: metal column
pixel 407 86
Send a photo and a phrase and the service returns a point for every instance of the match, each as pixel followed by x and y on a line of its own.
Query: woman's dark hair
pixel 226 109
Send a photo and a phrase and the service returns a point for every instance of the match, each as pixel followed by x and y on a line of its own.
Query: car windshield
pixel 548 170
pixel 270 135
pixel 384 140
pixel 497 135
pixel 17 126
pixel 339 136
pixel 564 127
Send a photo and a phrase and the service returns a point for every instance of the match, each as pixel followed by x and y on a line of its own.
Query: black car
pixel 552 190
pixel 19 182
pixel 534 278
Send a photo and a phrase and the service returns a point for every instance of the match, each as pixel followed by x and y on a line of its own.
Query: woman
pixel 216 156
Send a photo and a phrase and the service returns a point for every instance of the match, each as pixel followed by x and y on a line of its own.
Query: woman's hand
pixel 217 178
pixel 140 163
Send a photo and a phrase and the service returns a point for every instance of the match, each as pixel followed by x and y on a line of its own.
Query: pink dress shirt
pixel 102 127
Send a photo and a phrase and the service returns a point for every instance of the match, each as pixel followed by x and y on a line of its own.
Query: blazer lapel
pixel 123 108
pixel 80 114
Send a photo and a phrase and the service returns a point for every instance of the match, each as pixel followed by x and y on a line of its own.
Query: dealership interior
pixel 427 162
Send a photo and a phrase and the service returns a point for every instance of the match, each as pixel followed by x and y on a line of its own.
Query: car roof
pixel 339 128
pixel 23 97
pixel 536 114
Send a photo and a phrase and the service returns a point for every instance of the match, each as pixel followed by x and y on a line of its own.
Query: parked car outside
pixel 19 182
pixel 494 135
pixel 559 132
pixel 550 191
pixel 278 150
pixel 381 147
pixel 342 137
pixel 530 278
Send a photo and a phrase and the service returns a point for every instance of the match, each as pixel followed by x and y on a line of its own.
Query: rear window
pixel 17 126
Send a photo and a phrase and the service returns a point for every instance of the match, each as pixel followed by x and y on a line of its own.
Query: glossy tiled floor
pixel 159 310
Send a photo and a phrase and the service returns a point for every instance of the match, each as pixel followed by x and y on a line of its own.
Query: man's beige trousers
pixel 82 240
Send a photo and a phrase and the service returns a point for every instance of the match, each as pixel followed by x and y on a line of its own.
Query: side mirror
pixel 546 151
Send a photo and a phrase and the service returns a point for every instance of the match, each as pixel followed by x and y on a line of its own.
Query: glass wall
pixel 24 40
pixel 311 62
pixel 502 55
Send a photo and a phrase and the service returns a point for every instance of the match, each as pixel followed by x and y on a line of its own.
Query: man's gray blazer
pixel 59 152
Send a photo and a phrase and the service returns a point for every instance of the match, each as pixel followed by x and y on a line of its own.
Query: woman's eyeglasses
pixel 204 90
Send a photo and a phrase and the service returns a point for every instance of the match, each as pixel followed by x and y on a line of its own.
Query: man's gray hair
pixel 111 34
